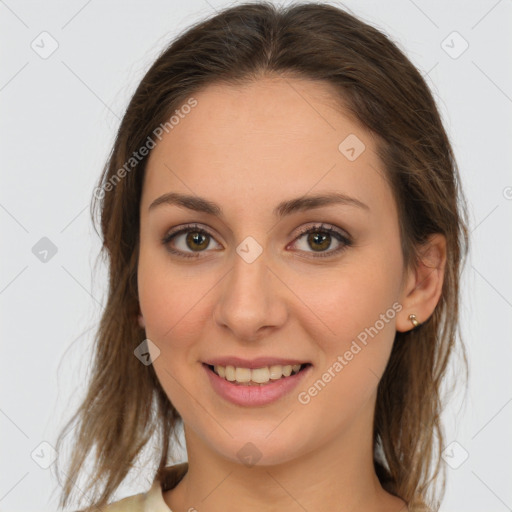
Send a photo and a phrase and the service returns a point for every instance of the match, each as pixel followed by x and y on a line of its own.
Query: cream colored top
pixel 152 500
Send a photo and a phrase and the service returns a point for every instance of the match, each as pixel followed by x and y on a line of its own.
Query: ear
pixel 141 321
pixel 423 284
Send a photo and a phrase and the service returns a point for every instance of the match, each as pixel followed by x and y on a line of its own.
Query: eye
pixel 320 238
pixel 196 238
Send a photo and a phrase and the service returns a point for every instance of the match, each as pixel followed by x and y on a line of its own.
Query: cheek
pixel 354 328
pixel 171 303
pixel 157 289
pixel 175 302
pixel 344 302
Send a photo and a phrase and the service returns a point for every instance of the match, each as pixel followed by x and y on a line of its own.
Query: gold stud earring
pixel 414 320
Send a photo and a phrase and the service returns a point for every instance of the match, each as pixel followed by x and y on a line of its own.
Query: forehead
pixel 264 141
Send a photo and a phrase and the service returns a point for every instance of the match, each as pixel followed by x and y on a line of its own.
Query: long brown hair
pixel 125 407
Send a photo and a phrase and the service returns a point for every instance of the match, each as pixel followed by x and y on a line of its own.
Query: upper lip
pixel 259 362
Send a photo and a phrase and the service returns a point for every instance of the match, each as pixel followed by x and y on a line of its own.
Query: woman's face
pixel 254 286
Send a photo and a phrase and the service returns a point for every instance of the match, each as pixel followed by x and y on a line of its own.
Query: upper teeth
pixel 258 375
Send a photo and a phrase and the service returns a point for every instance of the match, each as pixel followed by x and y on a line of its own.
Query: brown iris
pixel 317 238
pixel 194 236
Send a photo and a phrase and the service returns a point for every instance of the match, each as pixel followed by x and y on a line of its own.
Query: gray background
pixel 58 120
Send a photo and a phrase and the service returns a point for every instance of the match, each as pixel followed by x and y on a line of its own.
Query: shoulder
pixel 133 503
pixel 152 500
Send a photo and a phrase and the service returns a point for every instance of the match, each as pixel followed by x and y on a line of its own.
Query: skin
pixel 248 148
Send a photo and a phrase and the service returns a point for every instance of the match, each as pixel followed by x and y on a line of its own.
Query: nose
pixel 252 300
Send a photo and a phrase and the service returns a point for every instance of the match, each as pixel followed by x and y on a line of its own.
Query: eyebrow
pixel 288 207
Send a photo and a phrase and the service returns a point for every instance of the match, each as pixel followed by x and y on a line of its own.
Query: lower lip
pixel 251 396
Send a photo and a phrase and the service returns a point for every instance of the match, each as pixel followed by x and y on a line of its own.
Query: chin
pixel 258 450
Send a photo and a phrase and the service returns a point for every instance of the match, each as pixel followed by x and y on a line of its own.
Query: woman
pixel 285 233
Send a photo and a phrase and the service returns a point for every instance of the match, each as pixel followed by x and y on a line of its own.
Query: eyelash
pixel 319 228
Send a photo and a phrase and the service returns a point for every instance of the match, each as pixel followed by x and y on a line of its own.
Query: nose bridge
pixel 250 272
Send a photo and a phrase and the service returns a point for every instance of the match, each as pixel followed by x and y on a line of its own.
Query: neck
pixel 338 475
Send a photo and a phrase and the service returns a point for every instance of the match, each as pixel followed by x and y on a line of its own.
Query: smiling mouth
pixel 257 376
